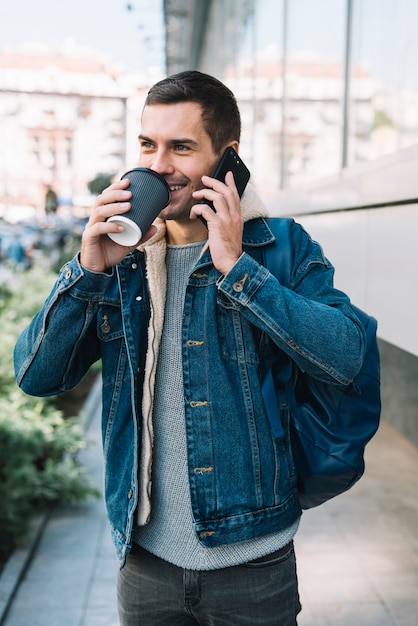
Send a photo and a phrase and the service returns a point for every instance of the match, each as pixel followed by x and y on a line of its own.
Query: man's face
pixel 174 143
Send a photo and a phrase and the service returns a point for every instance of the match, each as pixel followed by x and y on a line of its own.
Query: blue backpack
pixel 330 425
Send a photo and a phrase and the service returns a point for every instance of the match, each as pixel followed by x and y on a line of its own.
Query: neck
pixel 179 234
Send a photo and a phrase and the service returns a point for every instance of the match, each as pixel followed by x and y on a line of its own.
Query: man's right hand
pixel 98 251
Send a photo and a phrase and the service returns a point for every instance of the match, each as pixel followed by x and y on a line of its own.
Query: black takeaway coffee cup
pixel 150 195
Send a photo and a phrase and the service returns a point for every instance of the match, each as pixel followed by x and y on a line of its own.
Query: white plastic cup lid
pixel 130 236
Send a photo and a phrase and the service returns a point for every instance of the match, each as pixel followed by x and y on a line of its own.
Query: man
pixel 200 494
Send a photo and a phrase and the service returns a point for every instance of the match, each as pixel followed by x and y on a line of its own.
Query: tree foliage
pixel 100 182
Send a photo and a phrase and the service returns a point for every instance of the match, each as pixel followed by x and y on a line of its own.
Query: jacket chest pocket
pixel 238 338
pixel 113 345
pixel 109 323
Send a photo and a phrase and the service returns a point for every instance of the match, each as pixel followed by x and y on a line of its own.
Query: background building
pixel 66 115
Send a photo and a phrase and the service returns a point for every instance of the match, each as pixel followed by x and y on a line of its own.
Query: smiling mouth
pixel 176 187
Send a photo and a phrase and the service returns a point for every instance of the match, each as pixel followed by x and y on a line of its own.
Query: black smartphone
pixel 230 162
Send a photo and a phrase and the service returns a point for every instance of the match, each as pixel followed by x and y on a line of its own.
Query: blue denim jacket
pixel 242 478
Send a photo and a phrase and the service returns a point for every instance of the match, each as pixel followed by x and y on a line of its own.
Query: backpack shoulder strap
pixel 278 256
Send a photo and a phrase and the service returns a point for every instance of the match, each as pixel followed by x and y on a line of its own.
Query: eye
pixel 181 147
pixel 146 145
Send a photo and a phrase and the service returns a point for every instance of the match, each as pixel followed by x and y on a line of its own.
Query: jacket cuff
pixel 243 280
pixel 83 283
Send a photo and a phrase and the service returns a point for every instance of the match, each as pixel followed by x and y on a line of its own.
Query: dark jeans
pixel 264 592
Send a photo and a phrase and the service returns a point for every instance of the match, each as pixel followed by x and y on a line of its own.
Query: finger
pixel 218 185
pixel 95 230
pixel 230 182
pixel 111 201
pixel 221 203
pixel 118 184
pixel 113 194
pixel 203 212
pixel 103 212
pixel 226 189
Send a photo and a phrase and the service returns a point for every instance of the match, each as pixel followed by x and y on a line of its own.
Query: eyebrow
pixel 174 142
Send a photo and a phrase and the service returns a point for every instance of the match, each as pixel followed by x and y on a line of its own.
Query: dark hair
pixel 220 113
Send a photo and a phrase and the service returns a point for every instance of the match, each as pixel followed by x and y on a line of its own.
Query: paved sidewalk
pixel 357 555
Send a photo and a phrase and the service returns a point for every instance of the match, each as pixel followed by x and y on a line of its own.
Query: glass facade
pixel 323 86
pixel 385 46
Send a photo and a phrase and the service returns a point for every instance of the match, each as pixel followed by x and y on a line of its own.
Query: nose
pixel 161 162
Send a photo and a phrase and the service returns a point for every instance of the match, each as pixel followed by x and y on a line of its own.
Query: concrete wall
pixel 400 390
pixel 375 259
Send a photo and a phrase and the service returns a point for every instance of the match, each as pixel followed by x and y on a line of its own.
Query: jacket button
pixel 67 273
pixel 238 287
pixel 130 494
pixel 206 533
pixel 134 266
pixel 105 326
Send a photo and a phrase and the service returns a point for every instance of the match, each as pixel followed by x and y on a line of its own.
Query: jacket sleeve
pixel 57 348
pixel 311 321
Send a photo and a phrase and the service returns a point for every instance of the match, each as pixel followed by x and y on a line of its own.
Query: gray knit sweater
pixel 169 534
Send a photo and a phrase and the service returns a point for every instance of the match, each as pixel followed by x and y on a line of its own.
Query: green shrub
pixel 38 445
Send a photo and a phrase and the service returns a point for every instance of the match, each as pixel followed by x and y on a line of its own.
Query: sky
pixel 135 36
pixel 131 33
